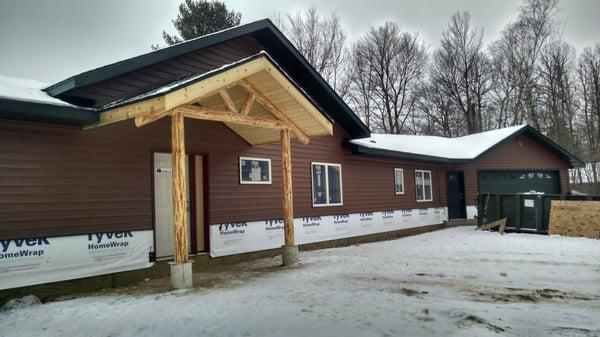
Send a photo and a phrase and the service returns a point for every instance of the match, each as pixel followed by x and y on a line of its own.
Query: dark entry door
pixel 456 195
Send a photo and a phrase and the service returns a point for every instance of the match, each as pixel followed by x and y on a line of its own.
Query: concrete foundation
pixel 289 255
pixel 181 275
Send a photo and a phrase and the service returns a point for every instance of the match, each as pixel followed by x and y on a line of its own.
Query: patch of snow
pixel 454 282
pixel 26 90
pixel 22 303
pixel 466 147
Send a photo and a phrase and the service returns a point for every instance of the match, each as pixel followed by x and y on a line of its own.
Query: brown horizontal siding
pixel 63 181
pixel 367 183
pixel 59 180
pixel 519 153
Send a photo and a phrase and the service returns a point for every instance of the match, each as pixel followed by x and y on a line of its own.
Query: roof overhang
pixel 259 73
pixel 46 113
pixel 530 131
pixel 359 149
pixel 109 71
pixel 278 46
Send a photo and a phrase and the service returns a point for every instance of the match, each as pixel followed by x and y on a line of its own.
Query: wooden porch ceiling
pixel 255 90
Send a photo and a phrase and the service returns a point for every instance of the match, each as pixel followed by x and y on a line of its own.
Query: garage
pixel 519 181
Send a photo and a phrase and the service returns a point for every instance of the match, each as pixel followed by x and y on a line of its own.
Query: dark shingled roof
pixel 276 45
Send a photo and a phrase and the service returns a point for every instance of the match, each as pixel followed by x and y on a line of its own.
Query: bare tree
pixel 439 114
pixel 362 84
pixel 387 68
pixel 505 84
pixel 322 41
pixel 461 70
pixel 588 72
pixel 514 58
pixel 556 93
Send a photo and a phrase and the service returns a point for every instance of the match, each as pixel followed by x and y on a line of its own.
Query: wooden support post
pixel 179 191
pixel 498 223
pixel 290 251
pixel 288 203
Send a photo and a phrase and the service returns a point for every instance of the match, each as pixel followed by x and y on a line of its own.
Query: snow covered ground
pixel 455 282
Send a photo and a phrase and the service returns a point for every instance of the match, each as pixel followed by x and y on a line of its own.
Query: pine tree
pixel 201 17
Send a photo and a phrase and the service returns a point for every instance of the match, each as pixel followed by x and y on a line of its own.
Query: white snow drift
pixel 25 90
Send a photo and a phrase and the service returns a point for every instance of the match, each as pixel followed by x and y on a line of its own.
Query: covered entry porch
pixel 256 100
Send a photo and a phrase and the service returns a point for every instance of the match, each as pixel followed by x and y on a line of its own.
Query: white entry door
pixel 163 204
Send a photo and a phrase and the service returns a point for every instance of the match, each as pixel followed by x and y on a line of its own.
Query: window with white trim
pixel 423 185
pixel 255 170
pixel 399 180
pixel 326 184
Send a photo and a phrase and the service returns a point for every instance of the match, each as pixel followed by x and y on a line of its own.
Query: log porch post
pixel 181 271
pixel 290 250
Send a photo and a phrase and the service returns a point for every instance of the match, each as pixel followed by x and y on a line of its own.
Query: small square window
pixel 255 170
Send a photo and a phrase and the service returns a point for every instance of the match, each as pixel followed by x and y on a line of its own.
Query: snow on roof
pixel 26 90
pixel 467 147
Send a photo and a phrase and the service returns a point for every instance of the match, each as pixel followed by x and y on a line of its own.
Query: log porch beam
pixel 199 112
pixel 151 117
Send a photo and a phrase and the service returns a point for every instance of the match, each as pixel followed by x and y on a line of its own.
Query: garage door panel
pixel 519 181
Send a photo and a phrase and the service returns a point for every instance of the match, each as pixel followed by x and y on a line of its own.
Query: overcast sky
pixel 51 40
